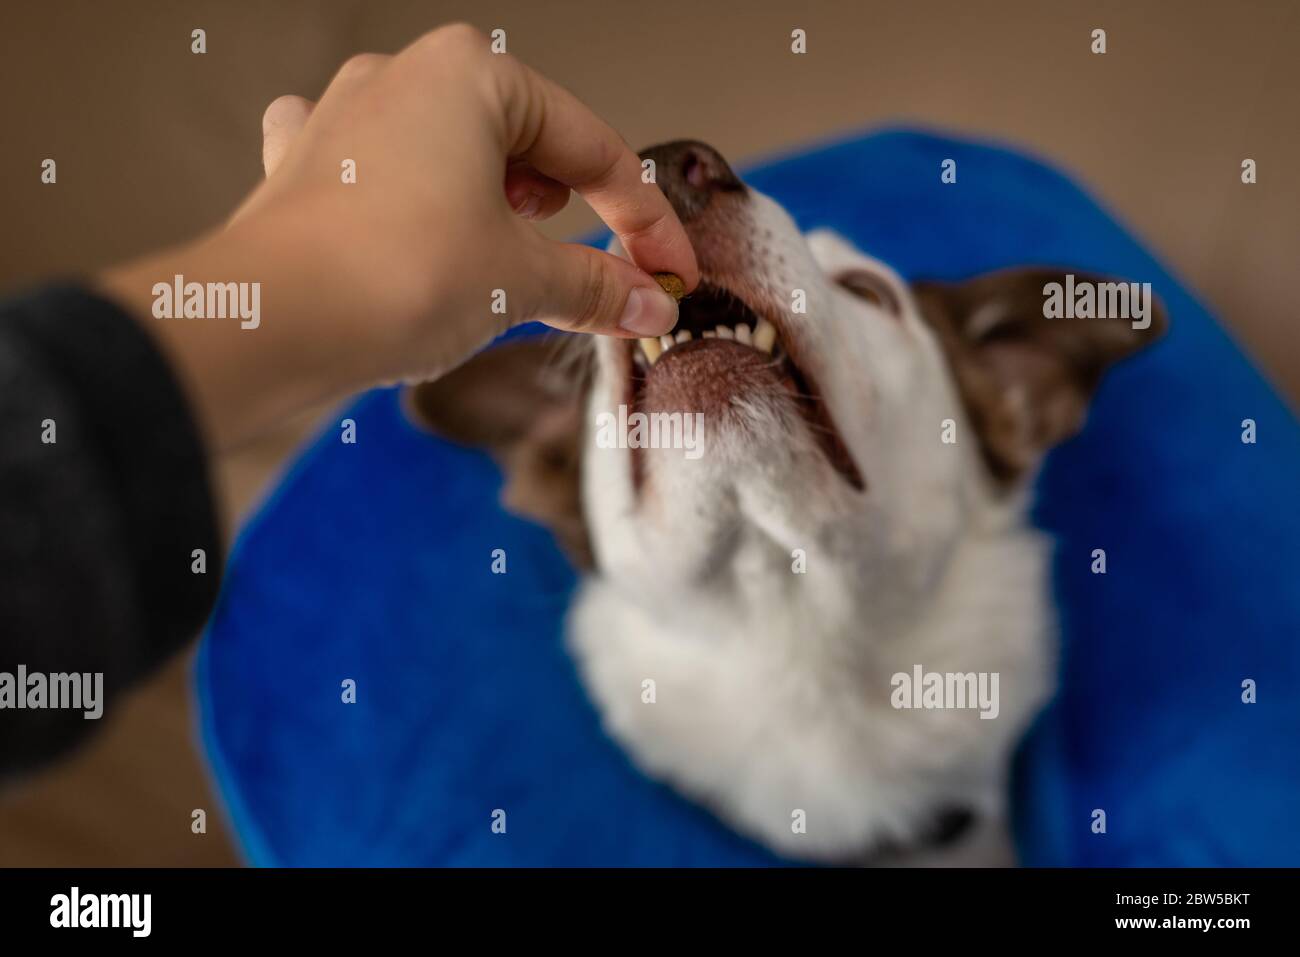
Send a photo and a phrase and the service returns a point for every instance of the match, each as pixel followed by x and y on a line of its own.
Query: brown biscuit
pixel 671 284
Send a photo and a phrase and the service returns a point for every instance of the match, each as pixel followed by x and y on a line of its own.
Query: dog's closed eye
pixel 871 288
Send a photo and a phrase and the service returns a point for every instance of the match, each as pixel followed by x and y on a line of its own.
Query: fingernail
pixel 649 312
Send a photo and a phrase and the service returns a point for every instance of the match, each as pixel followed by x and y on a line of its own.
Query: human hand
pixel 455 148
pixel 394 276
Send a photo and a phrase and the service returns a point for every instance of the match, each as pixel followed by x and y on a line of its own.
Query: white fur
pixel 773 688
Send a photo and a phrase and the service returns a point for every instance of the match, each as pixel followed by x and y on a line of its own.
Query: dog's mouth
pixel 720 350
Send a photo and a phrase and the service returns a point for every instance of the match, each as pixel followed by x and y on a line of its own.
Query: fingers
pixel 281 123
pixel 561 138
pixel 581 289
pixel 532 195
pixel 287 115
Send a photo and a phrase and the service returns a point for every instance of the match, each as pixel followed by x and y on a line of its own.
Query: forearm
pixel 290 338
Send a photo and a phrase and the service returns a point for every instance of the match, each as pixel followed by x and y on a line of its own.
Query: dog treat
pixel 671 284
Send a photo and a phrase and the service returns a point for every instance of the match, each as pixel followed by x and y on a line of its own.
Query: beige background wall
pixel 154 143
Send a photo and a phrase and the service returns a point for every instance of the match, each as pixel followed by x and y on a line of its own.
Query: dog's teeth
pixel 684 336
pixel 743 334
pixel 651 348
pixel 709 334
pixel 724 332
pixel 765 336
pixel 666 342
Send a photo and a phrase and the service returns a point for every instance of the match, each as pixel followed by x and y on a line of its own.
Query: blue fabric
pixel 372 562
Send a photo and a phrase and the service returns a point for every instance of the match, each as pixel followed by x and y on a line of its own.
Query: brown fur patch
pixel 522 401
pixel 1026 380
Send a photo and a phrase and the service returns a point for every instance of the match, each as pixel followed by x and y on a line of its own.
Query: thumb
pixel 586 290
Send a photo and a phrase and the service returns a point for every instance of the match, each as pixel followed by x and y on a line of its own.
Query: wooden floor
pixel 155 143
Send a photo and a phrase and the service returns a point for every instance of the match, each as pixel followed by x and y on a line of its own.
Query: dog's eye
pixel 554 457
pixel 871 288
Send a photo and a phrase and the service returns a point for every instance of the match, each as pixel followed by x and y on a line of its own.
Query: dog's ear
pixel 1026 379
pixel 522 402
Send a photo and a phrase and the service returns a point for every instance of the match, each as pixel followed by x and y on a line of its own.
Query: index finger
pixel 559 136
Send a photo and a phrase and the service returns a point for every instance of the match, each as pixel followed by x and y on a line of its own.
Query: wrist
pixel 254 325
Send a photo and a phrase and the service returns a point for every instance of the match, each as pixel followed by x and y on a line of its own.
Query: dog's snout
pixel 691 174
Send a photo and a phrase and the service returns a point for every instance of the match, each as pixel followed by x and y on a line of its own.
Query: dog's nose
pixel 691 174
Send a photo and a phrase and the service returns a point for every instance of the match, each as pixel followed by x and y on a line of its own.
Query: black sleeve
pixel 104 500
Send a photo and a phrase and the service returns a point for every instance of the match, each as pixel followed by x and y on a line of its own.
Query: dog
pixel 857 516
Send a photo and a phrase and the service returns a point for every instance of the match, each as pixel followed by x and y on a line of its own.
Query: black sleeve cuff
pixel 98 529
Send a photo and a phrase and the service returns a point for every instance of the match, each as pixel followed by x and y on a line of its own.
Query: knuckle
pixel 455 51
pixel 649 228
pixel 596 298
pixel 459 36
pixel 609 154
pixel 359 65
